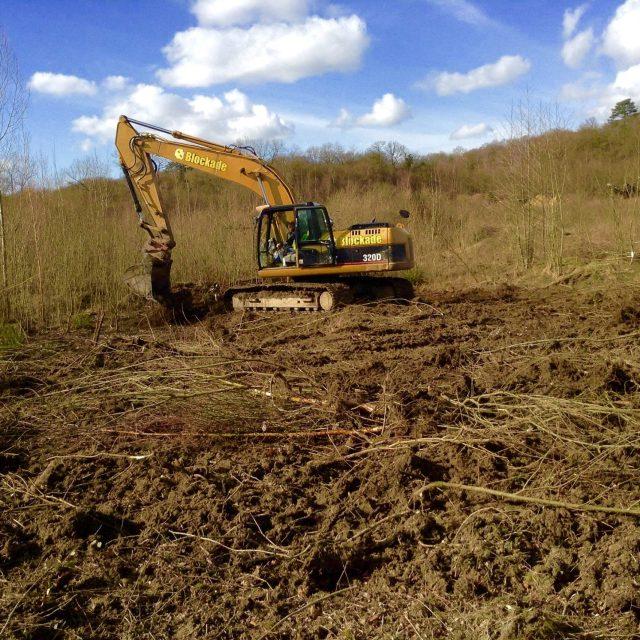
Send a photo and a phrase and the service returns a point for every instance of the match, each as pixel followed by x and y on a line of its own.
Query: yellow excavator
pixel 304 262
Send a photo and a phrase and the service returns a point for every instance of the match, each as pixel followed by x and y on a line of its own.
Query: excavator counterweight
pixel 307 264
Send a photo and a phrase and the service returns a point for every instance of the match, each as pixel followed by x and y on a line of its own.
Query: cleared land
pixel 271 476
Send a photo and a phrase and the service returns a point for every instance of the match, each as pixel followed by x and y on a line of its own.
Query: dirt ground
pixel 272 476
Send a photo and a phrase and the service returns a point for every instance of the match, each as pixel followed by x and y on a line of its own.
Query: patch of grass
pixel 82 320
pixel 11 336
pixel 416 276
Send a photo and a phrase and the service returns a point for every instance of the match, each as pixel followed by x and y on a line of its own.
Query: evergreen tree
pixel 623 109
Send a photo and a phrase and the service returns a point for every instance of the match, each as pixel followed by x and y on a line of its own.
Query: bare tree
pixel 534 176
pixel 589 123
pixel 91 174
pixel 330 153
pixel 392 151
pixel 13 103
pixel 13 95
pixel 266 149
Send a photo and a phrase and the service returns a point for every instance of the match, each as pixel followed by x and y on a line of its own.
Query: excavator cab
pixel 295 236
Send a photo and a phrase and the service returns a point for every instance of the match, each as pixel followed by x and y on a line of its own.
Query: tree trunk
pixel 3 248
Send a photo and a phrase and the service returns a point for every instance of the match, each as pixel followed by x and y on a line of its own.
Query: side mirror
pixel 404 213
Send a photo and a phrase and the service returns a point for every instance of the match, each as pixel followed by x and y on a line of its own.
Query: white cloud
pixel 628 80
pixel 626 85
pixel 385 112
pixel 621 39
pixel 596 97
pixel 471 131
pixel 505 70
pixel 574 50
pixel 586 88
pixel 571 19
pixel 115 83
pixel 226 119
pixel 280 52
pixel 224 13
pixel 464 11
pixel 60 84
pixel 344 119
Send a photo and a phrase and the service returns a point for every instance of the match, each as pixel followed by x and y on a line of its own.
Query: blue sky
pixel 432 74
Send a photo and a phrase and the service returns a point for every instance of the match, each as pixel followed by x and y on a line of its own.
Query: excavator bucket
pixel 139 281
pixel 151 280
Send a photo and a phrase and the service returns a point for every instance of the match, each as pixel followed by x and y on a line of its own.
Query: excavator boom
pixel 228 163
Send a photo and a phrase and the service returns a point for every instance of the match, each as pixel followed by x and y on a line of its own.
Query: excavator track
pixel 282 296
pixel 315 296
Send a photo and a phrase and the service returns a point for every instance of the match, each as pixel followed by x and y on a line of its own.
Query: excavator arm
pixel 228 163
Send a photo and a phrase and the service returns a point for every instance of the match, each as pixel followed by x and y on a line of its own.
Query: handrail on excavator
pixel 189 138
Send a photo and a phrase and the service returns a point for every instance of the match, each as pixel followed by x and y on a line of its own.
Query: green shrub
pixel 82 321
pixel 11 336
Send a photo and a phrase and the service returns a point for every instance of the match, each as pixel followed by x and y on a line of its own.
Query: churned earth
pixel 299 476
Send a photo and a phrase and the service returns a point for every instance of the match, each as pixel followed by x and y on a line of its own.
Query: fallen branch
pixel 253 434
pixel 181 534
pixel 535 343
pixel 28 491
pixel 102 455
pixel 544 502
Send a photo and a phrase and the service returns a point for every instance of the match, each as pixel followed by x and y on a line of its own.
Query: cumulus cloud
pixel 344 119
pixel 597 97
pixel 626 85
pixel 385 112
pixel 60 84
pixel 621 40
pixel 225 119
pixel 575 49
pixel 471 131
pixel 587 87
pixel 464 11
pixel 505 70
pixel 571 20
pixel 280 51
pixel 115 83
pixel 224 13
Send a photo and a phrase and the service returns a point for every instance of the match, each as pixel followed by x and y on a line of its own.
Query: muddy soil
pixel 271 476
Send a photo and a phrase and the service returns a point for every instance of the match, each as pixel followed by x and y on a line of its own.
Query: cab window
pixel 312 225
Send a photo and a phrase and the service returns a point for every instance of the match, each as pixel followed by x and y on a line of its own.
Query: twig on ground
pixel 182 534
pixel 253 434
pixel 102 455
pixel 533 343
pixel 295 612
pixel 544 502
pixel 377 523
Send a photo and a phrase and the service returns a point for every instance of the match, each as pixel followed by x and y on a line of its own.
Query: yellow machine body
pixel 294 242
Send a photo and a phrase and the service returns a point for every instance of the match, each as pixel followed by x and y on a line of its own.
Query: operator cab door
pixel 299 237
pixel 276 239
pixel 314 237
